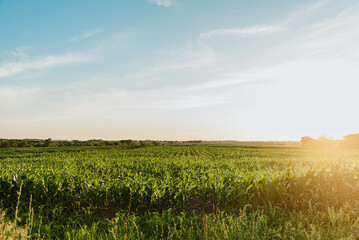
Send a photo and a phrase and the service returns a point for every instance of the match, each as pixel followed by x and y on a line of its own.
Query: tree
pixel 351 140
pixel 308 141
pixel 23 144
pixel 47 142
pixel 5 144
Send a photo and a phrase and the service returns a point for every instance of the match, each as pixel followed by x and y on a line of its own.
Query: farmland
pixel 179 192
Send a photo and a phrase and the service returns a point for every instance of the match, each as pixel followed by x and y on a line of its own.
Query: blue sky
pixel 179 69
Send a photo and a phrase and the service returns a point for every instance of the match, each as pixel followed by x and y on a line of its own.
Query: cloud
pixel 187 57
pixel 85 35
pixel 306 12
pixel 318 58
pixel 267 29
pixel 164 3
pixel 253 30
pixel 8 69
pixel 12 92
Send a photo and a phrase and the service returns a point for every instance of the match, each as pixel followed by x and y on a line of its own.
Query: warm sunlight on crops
pixel 82 185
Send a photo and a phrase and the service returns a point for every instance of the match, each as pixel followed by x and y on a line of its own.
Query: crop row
pixel 196 179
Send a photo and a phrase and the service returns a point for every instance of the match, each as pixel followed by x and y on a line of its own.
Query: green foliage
pixel 174 191
pixel 13 143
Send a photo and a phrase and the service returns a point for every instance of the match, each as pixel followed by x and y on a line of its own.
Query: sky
pixel 179 69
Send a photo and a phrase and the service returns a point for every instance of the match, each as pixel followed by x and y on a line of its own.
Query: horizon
pixel 161 140
pixel 178 69
pixel 178 140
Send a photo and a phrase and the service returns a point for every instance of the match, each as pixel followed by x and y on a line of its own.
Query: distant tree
pixel 325 138
pixel 13 143
pixel 127 142
pixel 351 140
pixel 109 143
pixel 23 144
pixel 322 142
pixel 5 144
pixel 325 141
pixel 47 142
pixel 308 141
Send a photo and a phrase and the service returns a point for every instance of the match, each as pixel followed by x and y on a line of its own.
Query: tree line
pixel 348 141
pixel 11 143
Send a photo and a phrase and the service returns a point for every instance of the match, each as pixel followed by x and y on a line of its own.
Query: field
pixel 179 192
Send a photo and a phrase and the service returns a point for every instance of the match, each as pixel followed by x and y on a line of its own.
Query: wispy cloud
pixel 188 57
pixel 326 49
pixel 267 29
pixel 164 3
pixel 253 30
pixel 306 11
pixel 14 92
pixel 8 69
pixel 85 35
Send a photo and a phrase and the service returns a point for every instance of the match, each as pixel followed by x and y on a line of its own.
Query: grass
pixel 10 230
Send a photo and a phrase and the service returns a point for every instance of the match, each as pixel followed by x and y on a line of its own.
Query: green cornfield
pixel 179 192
